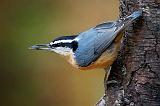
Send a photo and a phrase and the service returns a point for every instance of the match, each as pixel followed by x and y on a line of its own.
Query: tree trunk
pixel 137 68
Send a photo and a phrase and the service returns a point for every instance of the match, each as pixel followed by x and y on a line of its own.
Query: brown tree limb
pixel 139 58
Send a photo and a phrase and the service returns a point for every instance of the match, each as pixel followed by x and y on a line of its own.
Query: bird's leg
pixel 102 100
pixel 106 80
pixel 107 73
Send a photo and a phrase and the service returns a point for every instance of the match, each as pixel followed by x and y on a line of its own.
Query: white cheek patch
pixel 62 50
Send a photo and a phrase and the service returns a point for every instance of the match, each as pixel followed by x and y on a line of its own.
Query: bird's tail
pixel 126 21
pixel 135 15
pixel 129 19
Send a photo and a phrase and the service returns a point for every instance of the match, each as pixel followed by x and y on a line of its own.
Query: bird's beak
pixel 40 47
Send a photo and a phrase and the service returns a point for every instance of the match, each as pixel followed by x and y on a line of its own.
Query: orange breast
pixel 105 60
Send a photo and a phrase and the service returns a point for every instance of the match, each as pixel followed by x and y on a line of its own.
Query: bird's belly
pixel 105 60
pixel 108 56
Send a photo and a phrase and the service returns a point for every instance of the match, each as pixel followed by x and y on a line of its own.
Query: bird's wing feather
pixel 93 42
pixel 105 25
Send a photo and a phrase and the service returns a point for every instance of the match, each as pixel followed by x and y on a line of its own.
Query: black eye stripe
pixel 62 45
pixel 74 45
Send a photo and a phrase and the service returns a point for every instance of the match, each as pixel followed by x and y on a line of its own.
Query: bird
pixel 96 47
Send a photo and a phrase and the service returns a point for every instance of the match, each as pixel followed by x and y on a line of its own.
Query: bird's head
pixel 64 45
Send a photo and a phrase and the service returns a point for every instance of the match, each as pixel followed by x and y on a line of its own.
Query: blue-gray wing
pixel 92 43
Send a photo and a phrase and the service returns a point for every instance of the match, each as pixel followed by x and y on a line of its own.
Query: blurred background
pixel 39 78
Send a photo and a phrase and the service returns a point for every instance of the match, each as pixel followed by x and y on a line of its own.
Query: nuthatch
pixel 95 48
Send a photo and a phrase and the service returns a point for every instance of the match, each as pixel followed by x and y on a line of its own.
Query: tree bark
pixel 137 68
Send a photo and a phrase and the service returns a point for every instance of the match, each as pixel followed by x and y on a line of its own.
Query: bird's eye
pixel 62 45
pixel 56 45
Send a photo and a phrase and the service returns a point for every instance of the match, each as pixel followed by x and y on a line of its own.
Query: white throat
pixel 63 51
